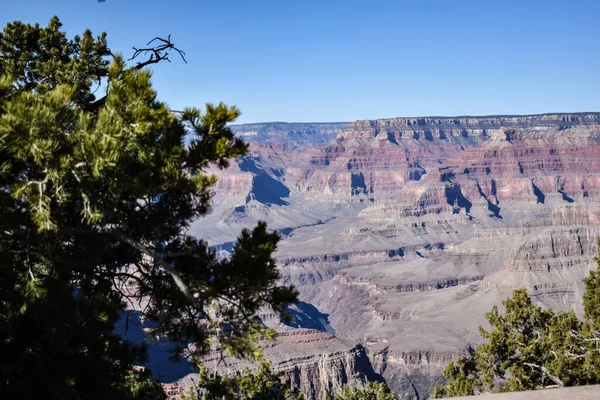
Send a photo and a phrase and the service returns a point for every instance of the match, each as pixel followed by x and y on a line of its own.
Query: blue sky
pixel 334 60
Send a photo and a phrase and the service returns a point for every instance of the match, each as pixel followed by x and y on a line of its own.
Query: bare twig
pixel 157 53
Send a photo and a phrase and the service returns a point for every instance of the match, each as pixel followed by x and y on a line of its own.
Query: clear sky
pixel 342 60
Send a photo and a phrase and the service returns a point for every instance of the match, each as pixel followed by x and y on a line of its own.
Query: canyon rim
pixel 401 233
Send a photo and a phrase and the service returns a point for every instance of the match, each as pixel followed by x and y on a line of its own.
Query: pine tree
pixel 259 384
pixel 531 348
pixel 590 332
pixel 96 196
pixel 370 391
pixel 591 297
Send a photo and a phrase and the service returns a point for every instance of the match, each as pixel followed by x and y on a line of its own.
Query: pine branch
pixel 546 373
pixel 155 255
pixel 168 268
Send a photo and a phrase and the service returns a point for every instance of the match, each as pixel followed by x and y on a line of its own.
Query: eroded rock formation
pixel 402 233
pixel 312 361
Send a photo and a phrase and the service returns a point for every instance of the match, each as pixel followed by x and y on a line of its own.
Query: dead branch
pixel 545 371
pixel 157 53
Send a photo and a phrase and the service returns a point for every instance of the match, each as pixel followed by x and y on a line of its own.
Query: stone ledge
pixel 591 392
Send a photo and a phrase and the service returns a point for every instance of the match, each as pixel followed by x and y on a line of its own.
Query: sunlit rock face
pixel 401 233
pixel 312 361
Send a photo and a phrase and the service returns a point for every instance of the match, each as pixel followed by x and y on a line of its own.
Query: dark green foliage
pixel 591 297
pixel 96 194
pixel 462 379
pixel 514 344
pixel 40 59
pixel 141 385
pixel 61 345
pixel 531 348
pixel 260 384
pixel 371 391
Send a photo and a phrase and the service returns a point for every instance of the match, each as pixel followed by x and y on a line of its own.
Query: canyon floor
pixel 401 233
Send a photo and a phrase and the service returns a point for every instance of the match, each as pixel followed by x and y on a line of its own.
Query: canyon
pixel 401 233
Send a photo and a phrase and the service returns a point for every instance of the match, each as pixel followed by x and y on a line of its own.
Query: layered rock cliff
pixel 461 128
pixel 404 232
pixel 312 361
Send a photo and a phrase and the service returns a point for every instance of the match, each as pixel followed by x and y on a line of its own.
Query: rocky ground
pixel 401 233
pixel 576 393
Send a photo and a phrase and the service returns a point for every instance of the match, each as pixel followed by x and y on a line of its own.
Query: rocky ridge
pixel 312 361
pixel 297 134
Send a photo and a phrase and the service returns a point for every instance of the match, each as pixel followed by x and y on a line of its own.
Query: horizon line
pixel 425 116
